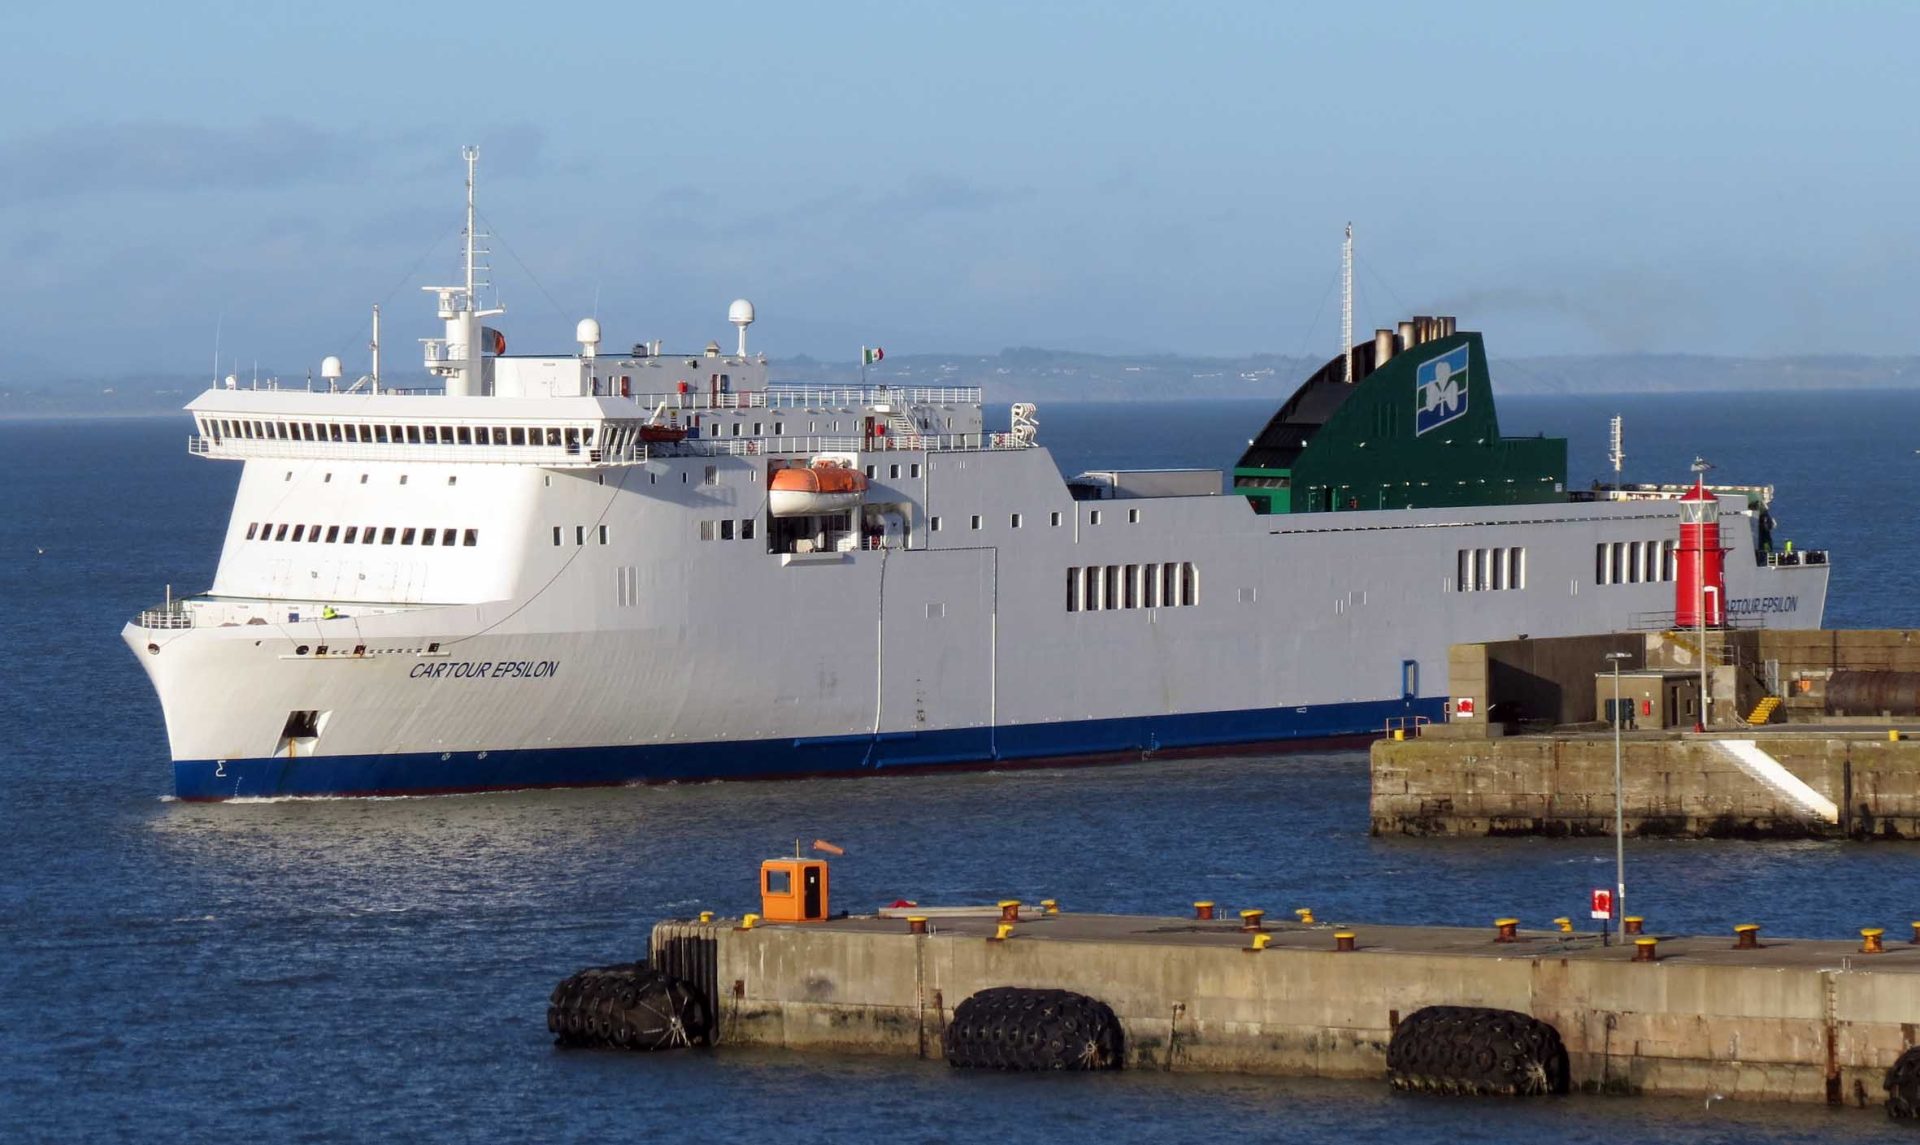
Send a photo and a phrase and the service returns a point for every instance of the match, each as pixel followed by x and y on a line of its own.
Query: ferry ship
pixel 629 566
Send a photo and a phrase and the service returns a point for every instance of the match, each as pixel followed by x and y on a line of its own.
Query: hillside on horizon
pixel 1026 373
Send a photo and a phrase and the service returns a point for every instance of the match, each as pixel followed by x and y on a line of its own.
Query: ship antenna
pixel 1346 303
pixel 1616 445
pixel 472 156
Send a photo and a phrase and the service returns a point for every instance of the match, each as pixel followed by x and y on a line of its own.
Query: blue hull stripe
pixel 423 773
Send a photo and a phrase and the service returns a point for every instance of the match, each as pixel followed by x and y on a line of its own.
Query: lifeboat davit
pixel 815 490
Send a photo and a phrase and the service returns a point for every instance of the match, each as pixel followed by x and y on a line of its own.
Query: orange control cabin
pixel 793 890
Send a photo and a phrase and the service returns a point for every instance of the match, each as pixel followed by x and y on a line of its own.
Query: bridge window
pixel 426 536
pixel 470 538
pixel 366 535
pixel 406 536
pixel 299 531
pixel 252 529
pixel 352 532
pixel 333 533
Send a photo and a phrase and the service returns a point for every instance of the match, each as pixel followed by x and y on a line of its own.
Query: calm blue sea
pixel 351 970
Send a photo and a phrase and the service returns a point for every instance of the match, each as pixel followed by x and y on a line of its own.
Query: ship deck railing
pixel 814 397
pixel 592 456
pixel 175 616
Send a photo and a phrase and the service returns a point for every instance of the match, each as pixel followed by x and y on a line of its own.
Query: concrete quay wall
pixel 1797 1021
pixel 1674 784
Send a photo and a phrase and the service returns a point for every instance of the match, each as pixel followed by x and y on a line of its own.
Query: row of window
pixel 1019 520
pixel 1095 588
pixel 579 534
pixel 362 535
pixel 726 531
pixel 570 436
pixel 1490 570
pixel 1633 562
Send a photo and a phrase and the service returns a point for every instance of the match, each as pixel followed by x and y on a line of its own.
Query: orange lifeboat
pixel 814 490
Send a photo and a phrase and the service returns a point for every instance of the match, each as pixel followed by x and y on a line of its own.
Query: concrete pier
pixel 1795 1020
pixel 1674 784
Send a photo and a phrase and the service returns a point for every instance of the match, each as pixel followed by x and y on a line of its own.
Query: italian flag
pixel 870 355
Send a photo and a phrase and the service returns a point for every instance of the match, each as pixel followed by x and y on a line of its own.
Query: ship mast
pixel 1346 304
pixel 459 357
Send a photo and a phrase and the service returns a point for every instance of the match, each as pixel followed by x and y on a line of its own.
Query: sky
pixel 1123 178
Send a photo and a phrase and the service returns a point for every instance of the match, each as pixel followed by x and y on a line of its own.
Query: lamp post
pixel 1619 800
pixel 1700 467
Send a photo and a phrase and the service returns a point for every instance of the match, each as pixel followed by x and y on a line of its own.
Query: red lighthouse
pixel 1701 588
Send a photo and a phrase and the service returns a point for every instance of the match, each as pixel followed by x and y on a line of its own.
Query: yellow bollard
pixel 1399 735
pixel 1343 940
pixel 1746 936
pixel 1305 915
pixel 747 921
pixel 1506 930
pixel 1259 943
pixel 1203 911
pixel 1564 923
pixel 1049 906
pixel 706 916
pixel 1010 910
pixel 1893 735
pixel 1643 950
pixel 1870 940
pixel 1002 932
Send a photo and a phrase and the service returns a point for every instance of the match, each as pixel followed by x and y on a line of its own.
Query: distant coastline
pixel 1060 375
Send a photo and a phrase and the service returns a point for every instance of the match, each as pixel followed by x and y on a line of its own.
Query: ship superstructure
pixel 632 566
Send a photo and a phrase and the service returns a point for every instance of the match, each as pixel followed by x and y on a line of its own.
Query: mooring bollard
pixel 1746 936
pixel 706 916
pixel 1251 919
pixel 1507 930
pixel 1203 912
pixel 1915 940
pixel 1305 915
pixel 747 921
pixel 1049 906
pixel 1634 925
pixel 1343 940
pixel 1564 923
pixel 1002 932
pixel 1009 910
pixel 1643 949
pixel 1258 943
pixel 1870 940
pixel 916 924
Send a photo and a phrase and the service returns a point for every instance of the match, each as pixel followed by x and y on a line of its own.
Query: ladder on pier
pixel 1762 713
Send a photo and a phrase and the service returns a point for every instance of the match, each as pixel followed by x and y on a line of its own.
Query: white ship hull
pixel 658 656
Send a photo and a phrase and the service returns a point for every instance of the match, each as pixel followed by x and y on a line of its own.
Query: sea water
pixel 338 970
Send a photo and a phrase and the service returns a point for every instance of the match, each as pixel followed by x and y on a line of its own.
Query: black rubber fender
pixel 1477 1050
pixel 1017 1028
